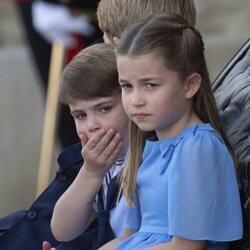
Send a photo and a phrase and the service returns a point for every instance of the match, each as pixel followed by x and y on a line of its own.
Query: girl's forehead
pixel 149 59
pixel 142 65
pixel 145 56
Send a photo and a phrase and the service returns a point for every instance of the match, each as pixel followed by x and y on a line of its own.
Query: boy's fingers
pixel 84 139
pixel 96 141
pixel 103 145
pixel 46 245
pixel 112 150
pixel 105 141
pixel 114 156
pixel 106 147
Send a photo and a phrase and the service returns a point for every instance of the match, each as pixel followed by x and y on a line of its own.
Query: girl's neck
pixel 175 130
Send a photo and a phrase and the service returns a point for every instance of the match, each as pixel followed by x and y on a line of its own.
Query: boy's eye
pixel 105 109
pixel 79 116
pixel 126 86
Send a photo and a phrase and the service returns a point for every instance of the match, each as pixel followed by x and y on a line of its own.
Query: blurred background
pixel 224 25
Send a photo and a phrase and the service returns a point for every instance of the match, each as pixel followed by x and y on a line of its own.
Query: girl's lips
pixel 140 116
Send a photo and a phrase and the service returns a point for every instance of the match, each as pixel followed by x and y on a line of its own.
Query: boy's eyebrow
pixel 76 111
pixel 94 107
pixel 123 81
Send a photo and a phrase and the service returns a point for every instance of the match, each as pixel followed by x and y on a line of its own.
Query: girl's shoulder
pixel 202 140
pixel 199 128
pixel 201 133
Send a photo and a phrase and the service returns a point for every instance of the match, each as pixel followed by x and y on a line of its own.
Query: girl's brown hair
pixel 180 45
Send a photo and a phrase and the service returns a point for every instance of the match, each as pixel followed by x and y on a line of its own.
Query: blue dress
pixel 186 187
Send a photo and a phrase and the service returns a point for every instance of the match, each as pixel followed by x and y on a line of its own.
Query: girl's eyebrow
pixel 148 79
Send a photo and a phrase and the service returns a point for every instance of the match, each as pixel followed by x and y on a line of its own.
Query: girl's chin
pixel 145 128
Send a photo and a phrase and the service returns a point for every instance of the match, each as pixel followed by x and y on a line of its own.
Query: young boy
pixel 89 85
pixel 30 228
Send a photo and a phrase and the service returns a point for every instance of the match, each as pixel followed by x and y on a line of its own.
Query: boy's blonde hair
pixel 115 16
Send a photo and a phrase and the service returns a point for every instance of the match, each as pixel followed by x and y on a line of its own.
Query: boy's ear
pixel 116 40
pixel 192 85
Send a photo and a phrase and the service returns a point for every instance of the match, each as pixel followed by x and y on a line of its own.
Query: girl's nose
pixel 137 99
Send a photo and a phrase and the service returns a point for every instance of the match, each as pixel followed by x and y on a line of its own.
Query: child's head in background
pixel 115 16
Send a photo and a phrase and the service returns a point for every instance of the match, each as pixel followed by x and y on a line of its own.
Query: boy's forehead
pixel 94 102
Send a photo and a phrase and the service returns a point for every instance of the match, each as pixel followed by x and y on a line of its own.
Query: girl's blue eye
pixel 150 85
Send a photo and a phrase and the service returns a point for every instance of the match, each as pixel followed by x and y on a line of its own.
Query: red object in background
pixel 73 51
pixel 79 39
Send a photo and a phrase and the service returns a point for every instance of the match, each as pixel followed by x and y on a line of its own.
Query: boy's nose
pixel 93 125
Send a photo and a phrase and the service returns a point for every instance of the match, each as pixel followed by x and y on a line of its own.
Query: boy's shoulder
pixel 25 224
pixel 70 156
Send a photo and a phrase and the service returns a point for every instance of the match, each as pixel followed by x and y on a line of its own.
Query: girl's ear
pixel 116 40
pixel 192 85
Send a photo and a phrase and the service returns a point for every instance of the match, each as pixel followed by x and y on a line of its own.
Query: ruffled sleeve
pixel 204 202
pixel 133 216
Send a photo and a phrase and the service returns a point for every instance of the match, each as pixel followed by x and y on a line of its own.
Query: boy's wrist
pixel 89 174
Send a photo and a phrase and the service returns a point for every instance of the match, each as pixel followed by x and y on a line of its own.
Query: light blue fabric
pixel 133 216
pixel 187 188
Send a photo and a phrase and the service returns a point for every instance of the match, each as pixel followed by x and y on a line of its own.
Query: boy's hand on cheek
pixel 100 152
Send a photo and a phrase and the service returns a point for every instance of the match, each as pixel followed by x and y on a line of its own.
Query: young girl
pixel 181 183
